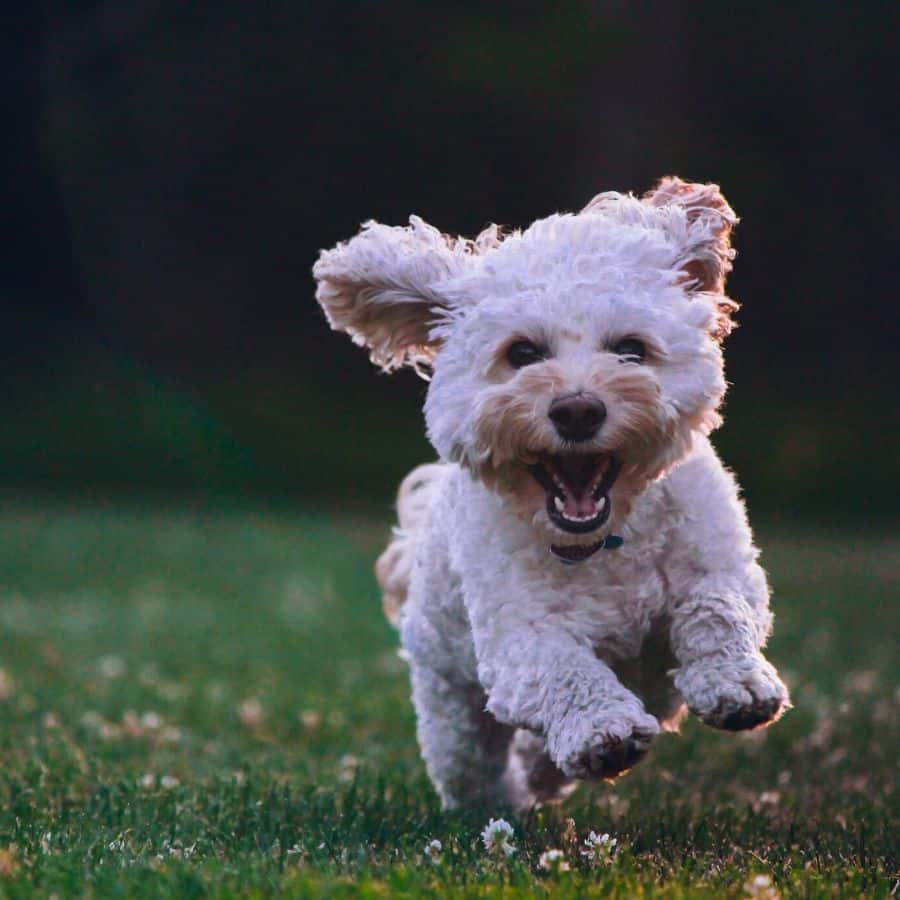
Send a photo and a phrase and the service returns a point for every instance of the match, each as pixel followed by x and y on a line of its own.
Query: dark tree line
pixel 172 169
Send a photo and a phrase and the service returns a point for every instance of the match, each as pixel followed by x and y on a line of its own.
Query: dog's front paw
pixel 603 745
pixel 733 693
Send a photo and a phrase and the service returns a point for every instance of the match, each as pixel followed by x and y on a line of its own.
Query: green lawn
pixel 204 703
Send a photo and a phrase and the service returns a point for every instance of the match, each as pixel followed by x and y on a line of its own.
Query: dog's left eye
pixel 523 353
pixel 630 349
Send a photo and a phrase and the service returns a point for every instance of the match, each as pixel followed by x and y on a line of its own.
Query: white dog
pixel 578 567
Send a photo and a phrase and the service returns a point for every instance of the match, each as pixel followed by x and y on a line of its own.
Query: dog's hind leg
pixel 465 749
pixel 531 777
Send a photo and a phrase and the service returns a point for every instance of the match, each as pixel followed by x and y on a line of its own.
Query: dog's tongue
pixel 577 474
pixel 579 507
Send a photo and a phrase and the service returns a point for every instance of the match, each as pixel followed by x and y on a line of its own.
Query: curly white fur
pixel 586 662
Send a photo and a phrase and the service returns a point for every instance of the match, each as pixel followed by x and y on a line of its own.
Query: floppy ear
pixel 707 255
pixel 381 288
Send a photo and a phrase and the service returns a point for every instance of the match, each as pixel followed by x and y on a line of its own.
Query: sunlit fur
pixel 592 660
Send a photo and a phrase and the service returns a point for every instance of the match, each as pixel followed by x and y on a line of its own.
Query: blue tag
pixel 613 542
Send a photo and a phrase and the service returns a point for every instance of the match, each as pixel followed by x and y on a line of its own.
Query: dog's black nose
pixel 578 416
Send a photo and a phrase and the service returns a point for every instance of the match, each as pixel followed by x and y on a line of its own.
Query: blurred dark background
pixel 172 170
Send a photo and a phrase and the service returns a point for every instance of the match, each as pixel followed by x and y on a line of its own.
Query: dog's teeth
pixel 601 503
pixel 559 504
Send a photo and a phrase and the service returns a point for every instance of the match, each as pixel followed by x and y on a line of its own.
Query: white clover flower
pixel 760 887
pixel 111 667
pixel 168 782
pixel 148 781
pixel 433 850
pixel 118 845
pixel 598 847
pixel 170 734
pixel 348 765
pixel 310 719
pixel 553 861
pixel 496 837
pixel 251 713
pixel 151 720
pixel 92 719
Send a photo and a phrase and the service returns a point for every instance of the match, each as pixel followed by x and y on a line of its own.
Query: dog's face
pixel 572 363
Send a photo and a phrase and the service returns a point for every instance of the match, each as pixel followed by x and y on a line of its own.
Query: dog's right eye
pixel 523 353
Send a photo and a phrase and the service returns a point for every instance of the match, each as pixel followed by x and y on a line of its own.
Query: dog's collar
pixel 571 555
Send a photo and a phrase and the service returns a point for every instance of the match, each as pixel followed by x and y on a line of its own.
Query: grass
pixel 208 703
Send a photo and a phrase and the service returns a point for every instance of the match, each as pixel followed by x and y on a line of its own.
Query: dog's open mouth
pixel 577 487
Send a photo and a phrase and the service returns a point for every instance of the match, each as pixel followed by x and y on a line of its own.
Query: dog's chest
pixel 613 600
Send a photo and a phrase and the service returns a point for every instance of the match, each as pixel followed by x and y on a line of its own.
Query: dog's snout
pixel 577 417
